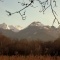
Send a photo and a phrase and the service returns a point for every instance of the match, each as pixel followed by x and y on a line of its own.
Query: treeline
pixel 28 47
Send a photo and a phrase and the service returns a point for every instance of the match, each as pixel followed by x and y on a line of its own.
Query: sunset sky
pixel 31 13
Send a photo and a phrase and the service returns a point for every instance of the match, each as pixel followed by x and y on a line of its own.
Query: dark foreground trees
pixel 28 47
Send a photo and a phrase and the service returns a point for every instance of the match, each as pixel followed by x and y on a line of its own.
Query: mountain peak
pixel 4 26
pixel 36 24
pixel 10 27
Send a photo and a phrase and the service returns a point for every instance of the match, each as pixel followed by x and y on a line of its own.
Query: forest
pixel 28 47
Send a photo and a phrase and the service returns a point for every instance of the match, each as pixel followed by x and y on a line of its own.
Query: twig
pixel 43 5
pixel 9 13
pixel 44 8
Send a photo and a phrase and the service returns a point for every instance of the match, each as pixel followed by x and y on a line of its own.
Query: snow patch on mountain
pixel 36 24
pixel 36 30
pixel 4 26
pixel 10 27
pixel 18 27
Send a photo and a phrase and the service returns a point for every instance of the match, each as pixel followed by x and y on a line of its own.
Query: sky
pixel 32 14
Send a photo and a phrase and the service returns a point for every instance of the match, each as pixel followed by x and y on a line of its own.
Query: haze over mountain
pixel 36 30
pixel 10 27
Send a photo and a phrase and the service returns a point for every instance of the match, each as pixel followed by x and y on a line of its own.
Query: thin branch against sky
pixel 30 14
pixel 45 5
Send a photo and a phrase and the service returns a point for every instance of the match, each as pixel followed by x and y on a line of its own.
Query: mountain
pixel 37 30
pixel 4 26
pixel 58 28
pixel 18 27
pixel 8 33
pixel 15 28
pixel 38 24
pixel 10 27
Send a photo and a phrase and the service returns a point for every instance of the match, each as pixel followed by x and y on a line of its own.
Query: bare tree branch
pixel 27 5
pixel 45 5
pixel 54 13
pixel 44 8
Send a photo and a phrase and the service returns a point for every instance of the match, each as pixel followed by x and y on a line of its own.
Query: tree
pixel 44 4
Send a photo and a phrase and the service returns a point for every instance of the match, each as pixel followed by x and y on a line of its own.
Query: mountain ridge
pixel 10 27
pixel 36 30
